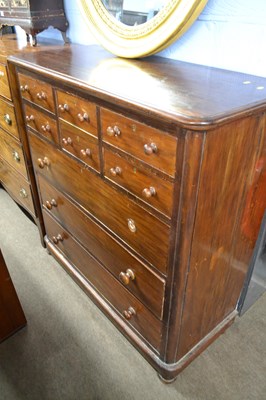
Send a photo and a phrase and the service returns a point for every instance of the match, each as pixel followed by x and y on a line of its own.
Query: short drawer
pixel 132 176
pixel 4 84
pixel 37 91
pixel 77 111
pixel 138 278
pixel 142 231
pixel 128 307
pixel 80 144
pixel 12 152
pixel 144 142
pixel 7 118
pixel 17 187
pixel 43 124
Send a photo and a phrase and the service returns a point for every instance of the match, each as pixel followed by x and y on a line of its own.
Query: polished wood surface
pixel 120 298
pixel 12 317
pixel 4 84
pixel 11 151
pixel 7 118
pixel 44 124
pixel 17 186
pixel 87 188
pixel 147 286
pixel 173 209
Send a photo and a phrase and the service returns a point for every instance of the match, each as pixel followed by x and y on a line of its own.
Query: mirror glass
pixel 134 12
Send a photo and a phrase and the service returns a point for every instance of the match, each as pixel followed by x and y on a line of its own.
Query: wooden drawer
pixel 44 125
pixel 148 144
pixel 18 187
pixel 80 144
pixel 139 229
pixel 12 152
pixel 7 118
pixel 37 91
pixel 77 111
pixel 108 287
pixel 146 285
pixel 4 84
pixel 149 187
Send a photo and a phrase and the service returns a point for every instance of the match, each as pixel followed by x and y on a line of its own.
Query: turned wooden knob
pixel 113 131
pixel 63 107
pixel 128 314
pixel 30 118
pixel 149 192
pixel 41 95
pixel 46 128
pixel 115 171
pixel 50 204
pixel 125 277
pixel 83 117
pixel 85 152
pixel 150 148
pixel 67 141
pixel 24 88
pixel 43 162
pixel 57 238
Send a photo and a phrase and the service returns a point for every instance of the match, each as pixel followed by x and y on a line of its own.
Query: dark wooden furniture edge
pixel 166 372
pixel 186 122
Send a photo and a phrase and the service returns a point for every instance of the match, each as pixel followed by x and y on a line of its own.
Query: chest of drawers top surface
pixel 182 92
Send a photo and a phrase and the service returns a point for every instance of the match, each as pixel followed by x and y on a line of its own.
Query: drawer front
pixel 139 229
pixel 108 287
pixel 81 144
pixel 44 125
pixel 150 188
pixel 18 187
pixel 7 118
pixel 77 111
pixel 4 84
pixel 12 152
pixel 37 92
pixel 143 283
pixel 148 144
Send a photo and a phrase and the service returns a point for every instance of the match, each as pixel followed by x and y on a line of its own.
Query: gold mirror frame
pixel 144 39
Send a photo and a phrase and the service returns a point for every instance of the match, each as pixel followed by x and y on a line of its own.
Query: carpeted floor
pixel 70 350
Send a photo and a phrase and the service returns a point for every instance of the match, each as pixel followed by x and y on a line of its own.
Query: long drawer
pixel 139 229
pixel 17 187
pixel 132 310
pixel 4 84
pixel 143 283
pixel 12 152
pixel 7 118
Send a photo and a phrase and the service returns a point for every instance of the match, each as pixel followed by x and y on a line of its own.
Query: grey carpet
pixel 70 350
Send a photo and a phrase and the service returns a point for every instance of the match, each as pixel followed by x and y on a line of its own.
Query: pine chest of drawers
pixel 16 172
pixel 149 174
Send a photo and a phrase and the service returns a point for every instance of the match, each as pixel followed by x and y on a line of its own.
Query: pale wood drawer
pixel 43 124
pixel 142 231
pixel 17 186
pixel 80 144
pixel 146 285
pixel 144 142
pixel 77 111
pixel 4 83
pixel 7 118
pixel 12 152
pixel 107 286
pixel 37 91
pixel 132 176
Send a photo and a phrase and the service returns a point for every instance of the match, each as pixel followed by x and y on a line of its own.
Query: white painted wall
pixel 229 34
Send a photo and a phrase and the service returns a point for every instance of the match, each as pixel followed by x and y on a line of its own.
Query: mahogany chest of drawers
pixel 150 174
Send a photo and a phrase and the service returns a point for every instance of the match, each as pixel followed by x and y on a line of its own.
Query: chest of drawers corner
pixel 148 199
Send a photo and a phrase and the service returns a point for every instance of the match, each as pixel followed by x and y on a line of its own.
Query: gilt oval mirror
pixel 137 28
